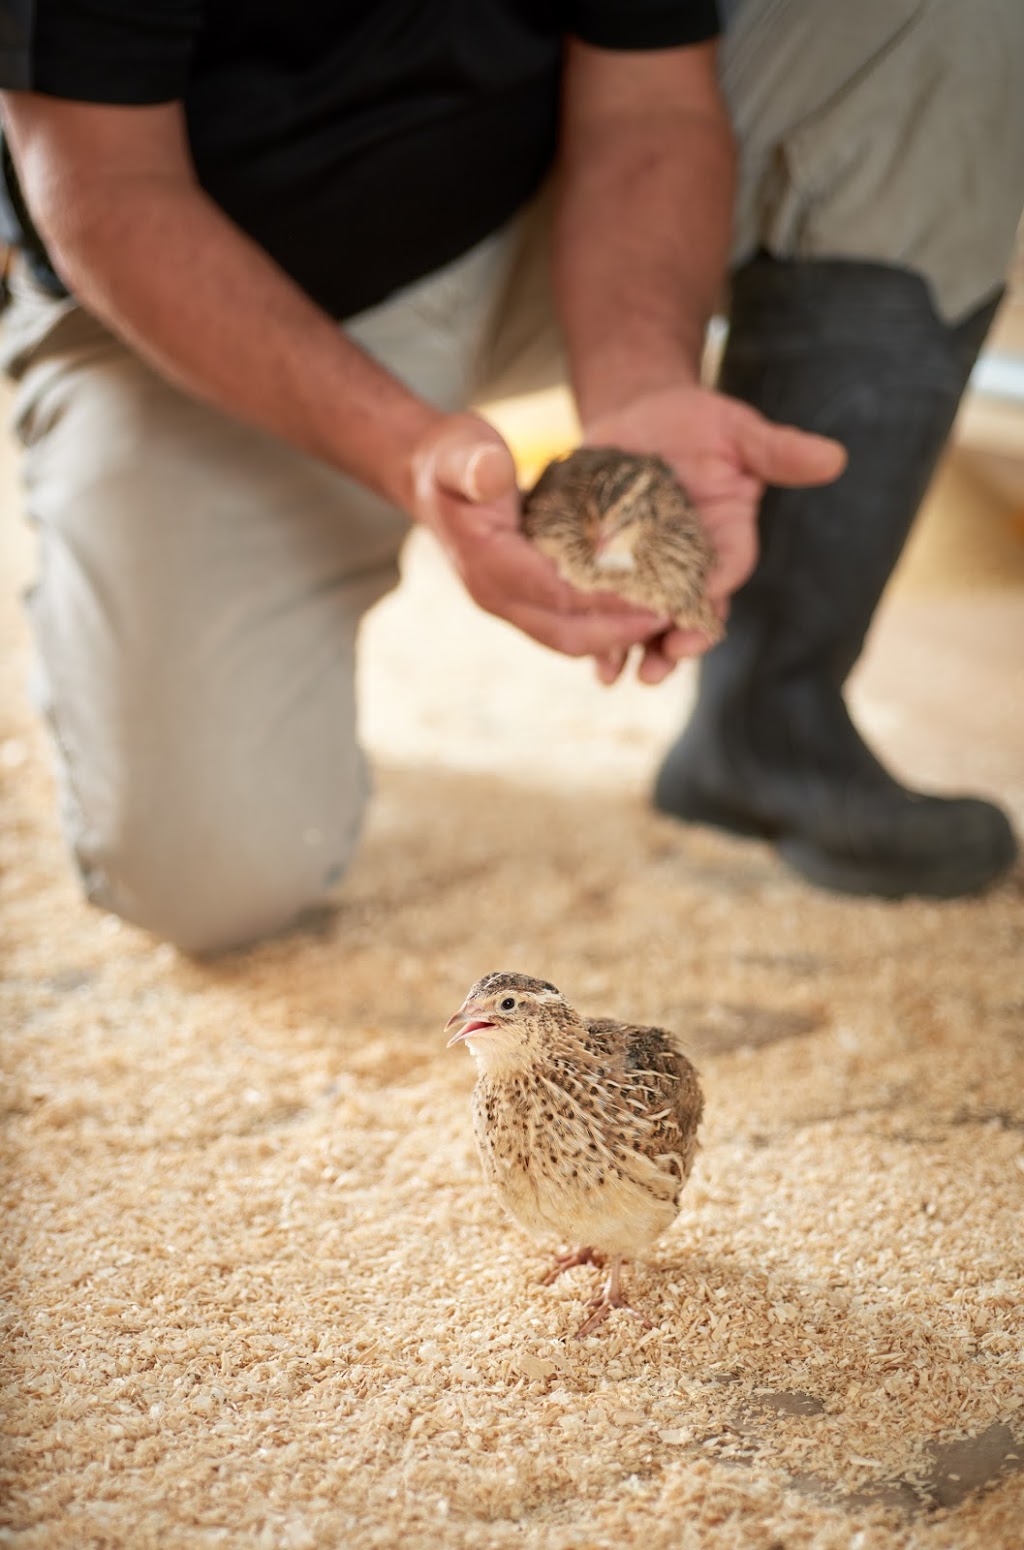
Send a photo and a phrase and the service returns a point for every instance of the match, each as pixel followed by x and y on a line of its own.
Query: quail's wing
pixel 658 1085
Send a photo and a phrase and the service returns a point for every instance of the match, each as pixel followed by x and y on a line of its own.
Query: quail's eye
pixel 508 1005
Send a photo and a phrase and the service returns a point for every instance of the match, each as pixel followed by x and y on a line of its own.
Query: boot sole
pixel 947 878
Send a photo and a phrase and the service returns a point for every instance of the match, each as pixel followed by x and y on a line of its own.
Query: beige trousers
pixel 201 585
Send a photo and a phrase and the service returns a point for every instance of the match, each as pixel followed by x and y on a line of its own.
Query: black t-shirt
pixel 362 143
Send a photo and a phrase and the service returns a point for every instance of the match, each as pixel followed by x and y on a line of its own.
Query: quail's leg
pixel 580 1255
pixel 609 1297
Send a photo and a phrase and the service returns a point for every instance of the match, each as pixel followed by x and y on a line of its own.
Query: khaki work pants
pixel 201 585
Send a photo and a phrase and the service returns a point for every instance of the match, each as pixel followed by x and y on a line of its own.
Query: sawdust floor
pixel 256 1294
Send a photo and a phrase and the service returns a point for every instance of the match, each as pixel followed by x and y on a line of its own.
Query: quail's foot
pixel 609 1297
pixel 569 1259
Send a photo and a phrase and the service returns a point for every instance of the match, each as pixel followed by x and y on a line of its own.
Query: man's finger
pixel 577 635
pixel 609 667
pixel 678 645
pixel 655 666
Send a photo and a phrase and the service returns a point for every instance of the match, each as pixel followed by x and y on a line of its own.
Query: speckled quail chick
pixel 586 1128
pixel 621 522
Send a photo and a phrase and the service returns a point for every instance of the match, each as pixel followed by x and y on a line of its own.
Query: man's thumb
pixel 469 458
pixel 784 455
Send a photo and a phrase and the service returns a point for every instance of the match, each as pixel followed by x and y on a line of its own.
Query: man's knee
pixel 213 880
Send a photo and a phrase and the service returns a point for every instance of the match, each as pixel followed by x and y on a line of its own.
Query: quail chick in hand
pixel 621 522
pixel 586 1128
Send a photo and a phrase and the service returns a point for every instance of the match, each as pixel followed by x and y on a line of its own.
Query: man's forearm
pixel 644 216
pixel 157 261
pixel 167 271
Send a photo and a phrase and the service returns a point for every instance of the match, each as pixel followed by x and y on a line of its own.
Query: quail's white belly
pixel 619 1215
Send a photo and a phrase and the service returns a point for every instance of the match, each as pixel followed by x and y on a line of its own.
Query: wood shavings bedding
pixel 257 1295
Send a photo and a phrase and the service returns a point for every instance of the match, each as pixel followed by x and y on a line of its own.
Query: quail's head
pixel 620 521
pixel 508 1020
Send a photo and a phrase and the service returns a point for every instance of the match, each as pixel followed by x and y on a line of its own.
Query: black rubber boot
pixel 855 351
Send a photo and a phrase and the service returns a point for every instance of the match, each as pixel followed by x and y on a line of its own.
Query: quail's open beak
pixel 608 530
pixel 472 1023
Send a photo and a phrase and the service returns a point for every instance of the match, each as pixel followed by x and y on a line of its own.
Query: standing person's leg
pixel 883 175
pixel 199 594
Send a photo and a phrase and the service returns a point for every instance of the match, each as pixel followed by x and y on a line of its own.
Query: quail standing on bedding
pixel 621 522
pixel 586 1128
